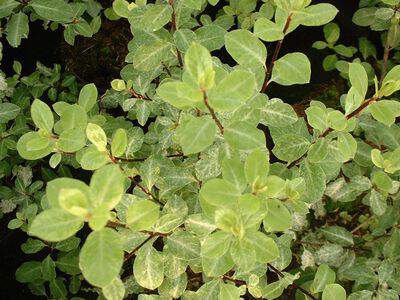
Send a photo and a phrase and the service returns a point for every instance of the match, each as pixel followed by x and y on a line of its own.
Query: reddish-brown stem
pixel 136 95
pixel 275 55
pixel 385 61
pixel 213 115
pixel 348 117
pixel 173 29
pixel 151 235
pixel 295 286
pixel 353 114
pixel 144 158
pixel 235 281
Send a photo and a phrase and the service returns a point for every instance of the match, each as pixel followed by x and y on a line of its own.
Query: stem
pixel 151 235
pixel 148 193
pixel 354 113
pixel 295 286
pixel 275 56
pixel 385 61
pixel 349 116
pixel 213 115
pixel 144 158
pixel 173 29
pixel 235 281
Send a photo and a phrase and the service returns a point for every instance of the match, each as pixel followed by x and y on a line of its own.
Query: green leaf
pixel 293 68
pixel 42 115
pixel 232 91
pixel 323 277
pixel 119 142
pixel 88 96
pixel 152 17
pixel 7 6
pixel 338 235
pixel 243 254
pixel 334 292
pixel 290 147
pixel 54 10
pixel 101 269
pixel 217 267
pixel 72 116
pixel 199 70
pixel 93 159
pixel 148 267
pixel 179 94
pixel 29 272
pixel 107 186
pixel 142 214
pixel 377 201
pixel 245 47
pixel 48 269
pixel 229 292
pixel 365 16
pixel 256 168
pixel 32 146
pixel 73 201
pixel 216 245
pixel 211 36
pixel 97 136
pixel 219 192
pixel 278 114
pixel 233 171
pixel 8 112
pixel 196 134
pixel 149 56
pixel 347 146
pixel 385 111
pixel 244 136
pixel 115 290
pixel 71 140
pixel 266 249
pixel 17 29
pixel 317 15
pixel 184 245
pixel 55 225
pixel 314 177
pixel 267 30
pixel 391 247
pixel 358 78
pixel 278 217
pixel 317 117
pixel 54 187
pixel 331 33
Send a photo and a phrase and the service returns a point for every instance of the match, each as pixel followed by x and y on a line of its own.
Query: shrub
pixel 163 186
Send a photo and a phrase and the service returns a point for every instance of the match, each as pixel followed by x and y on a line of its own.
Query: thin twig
pixel 385 61
pixel 275 56
pixel 173 29
pixel 212 112
pixel 235 281
pixel 144 158
pixel 295 286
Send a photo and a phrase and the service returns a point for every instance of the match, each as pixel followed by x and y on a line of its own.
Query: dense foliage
pixel 163 186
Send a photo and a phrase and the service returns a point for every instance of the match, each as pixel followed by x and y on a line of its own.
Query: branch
pixel 212 112
pixel 385 61
pixel 355 113
pixel 173 29
pixel 295 286
pixel 144 158
pixel 275 56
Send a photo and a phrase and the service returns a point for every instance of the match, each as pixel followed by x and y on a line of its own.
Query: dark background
pixel 44 46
